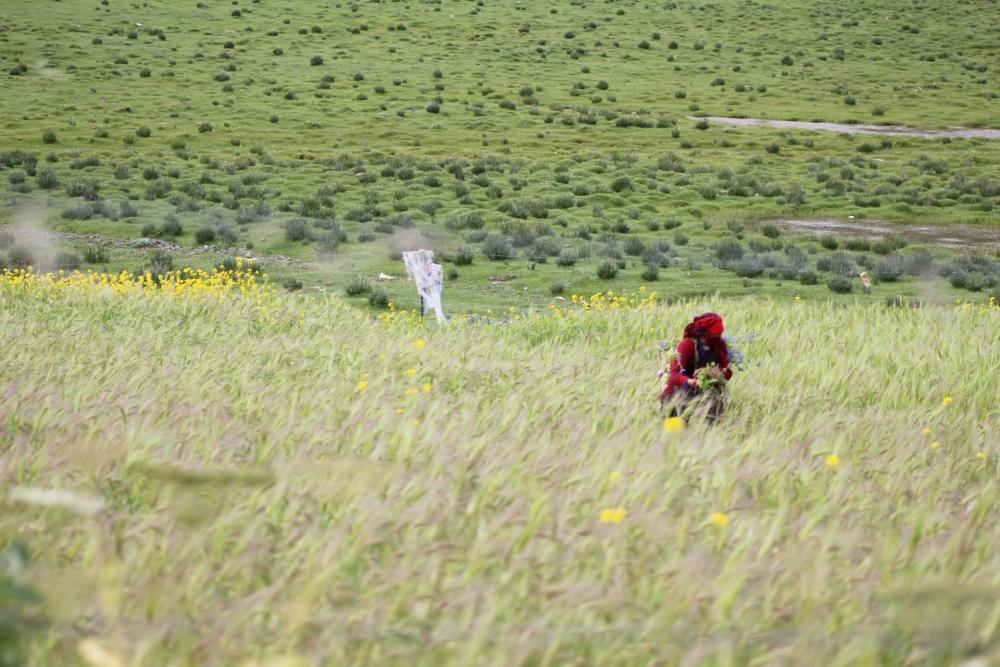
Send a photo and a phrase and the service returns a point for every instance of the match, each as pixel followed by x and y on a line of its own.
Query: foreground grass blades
pixel 241 482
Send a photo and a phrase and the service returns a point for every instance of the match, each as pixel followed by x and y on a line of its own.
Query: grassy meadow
pixel 272 479
pixel 227 439
pixel 527 143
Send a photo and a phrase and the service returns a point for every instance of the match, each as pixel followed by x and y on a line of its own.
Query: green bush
pixel 555 289
pixel 463 256
pixel 770 231
pixel 840 284
pixel 160 263
pixel 96 255
pixel 378 298
pixel 890 269
pixel 20 257
pixel 750 267
pixel 607 270
pixel 358 287
pixel 172 226
pixel 47 179
pixel 297 229
pixel 807 277
pixel 204 235
pixel 634 246
pixel 727 250
pixel 68 261
pixel 497 248
pixel 567 257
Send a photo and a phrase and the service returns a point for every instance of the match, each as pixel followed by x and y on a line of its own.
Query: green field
pixel 331 136
pixel 283 465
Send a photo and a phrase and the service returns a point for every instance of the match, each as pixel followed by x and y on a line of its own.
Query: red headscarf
pixel 707 324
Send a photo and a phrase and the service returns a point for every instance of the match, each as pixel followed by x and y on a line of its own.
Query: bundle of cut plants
pixel 711 379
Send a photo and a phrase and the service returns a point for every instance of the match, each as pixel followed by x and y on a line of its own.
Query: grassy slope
pixel 462 526
pixel 94 96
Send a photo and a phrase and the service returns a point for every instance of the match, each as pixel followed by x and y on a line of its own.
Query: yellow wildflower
pixel 411 392
pixel 720 519
pixel 832 461
pixel 415 421
pixel 615 476
pixel 419 343
pixel 980 455
pixel 946 400
pixel 798 298
pixel 673 424
pixel 411 371
pixel 362 385
pixel 927 430
pixel 427 387
pixel 399 411
pixel 613 515
pixel 935 445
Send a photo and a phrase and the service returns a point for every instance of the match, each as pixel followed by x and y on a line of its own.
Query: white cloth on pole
pixel 428 276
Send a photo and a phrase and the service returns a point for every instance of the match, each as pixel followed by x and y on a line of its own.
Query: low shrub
pixel 727 250
pixel 567 257
pixel 807 277
pixel 840 284
pixel 205 235
pixel 172 226
pixel 357 287
pixel 497 248
pixel 890 269
pixel 68 261
pixel 378 298
pixel 297 229
pixel 96 254
pixel 47 179
pixel 607 270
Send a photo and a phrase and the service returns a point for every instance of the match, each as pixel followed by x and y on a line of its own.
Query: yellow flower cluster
pixel 613 515
pixel 612 300
pixel 991 306
pixel 191 283
pixel 400 317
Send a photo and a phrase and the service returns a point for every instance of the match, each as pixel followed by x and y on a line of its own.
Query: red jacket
pixel 687 361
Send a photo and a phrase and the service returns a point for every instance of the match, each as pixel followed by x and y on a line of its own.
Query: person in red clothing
pixel 702 346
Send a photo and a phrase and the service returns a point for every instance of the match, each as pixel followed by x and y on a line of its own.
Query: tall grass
pixel 293 478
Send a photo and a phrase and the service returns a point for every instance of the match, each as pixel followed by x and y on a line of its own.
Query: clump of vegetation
pixel 378 297
pixel 607 270
pixel 358 287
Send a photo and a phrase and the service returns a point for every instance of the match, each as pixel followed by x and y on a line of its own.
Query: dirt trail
pixel 956 237
pixel 892 130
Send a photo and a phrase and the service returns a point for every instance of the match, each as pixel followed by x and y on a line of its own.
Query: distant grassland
pixel 336 134
pixel 286 476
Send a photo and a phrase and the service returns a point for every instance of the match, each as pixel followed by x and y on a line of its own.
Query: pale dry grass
pixel 260 503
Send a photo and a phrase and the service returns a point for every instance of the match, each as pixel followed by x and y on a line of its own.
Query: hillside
pixel 536 141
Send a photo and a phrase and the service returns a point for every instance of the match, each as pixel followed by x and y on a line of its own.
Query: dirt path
pixel 892 130
pixel 955 237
